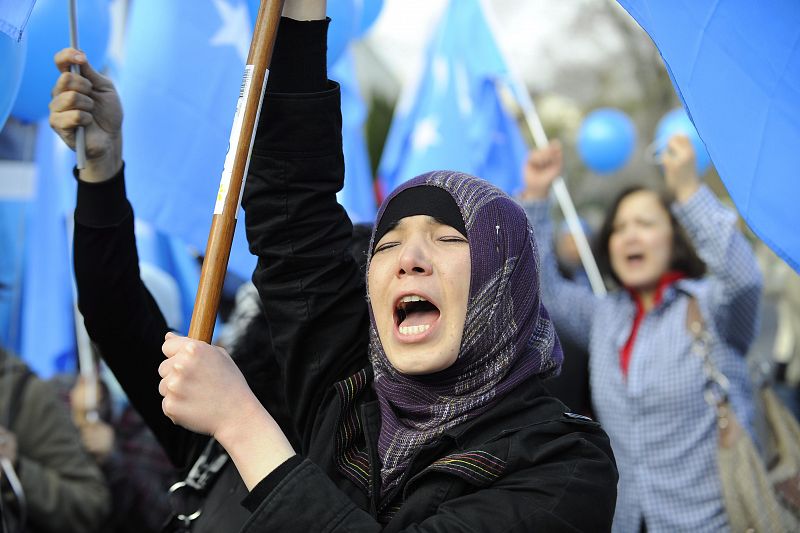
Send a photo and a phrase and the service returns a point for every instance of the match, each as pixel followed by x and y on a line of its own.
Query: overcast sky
pixel 537 35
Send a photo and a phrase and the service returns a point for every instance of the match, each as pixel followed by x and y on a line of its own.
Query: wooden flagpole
pixel 243 130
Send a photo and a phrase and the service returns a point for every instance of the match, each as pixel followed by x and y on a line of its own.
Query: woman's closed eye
pixel 385 246
pixel 453 238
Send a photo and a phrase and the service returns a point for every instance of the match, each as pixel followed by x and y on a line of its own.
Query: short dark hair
pixel 684 258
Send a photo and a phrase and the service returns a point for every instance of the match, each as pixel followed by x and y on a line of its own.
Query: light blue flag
pixel 14 16
pixel 179 84
pixel 42 326
pixel 16 191
pixel 170 273
pixel 12 239
pixel 455 120
pixel 47 321
pixel 736 67
pixel 358 194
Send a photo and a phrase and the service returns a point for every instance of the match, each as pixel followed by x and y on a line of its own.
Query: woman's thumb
pixel 98 80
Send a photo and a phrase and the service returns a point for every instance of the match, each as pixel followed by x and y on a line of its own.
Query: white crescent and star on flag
pixel 235 30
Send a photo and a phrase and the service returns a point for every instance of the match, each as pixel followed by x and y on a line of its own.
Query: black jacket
pixel 525 464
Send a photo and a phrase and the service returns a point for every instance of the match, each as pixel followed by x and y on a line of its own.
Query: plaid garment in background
pixel 662 431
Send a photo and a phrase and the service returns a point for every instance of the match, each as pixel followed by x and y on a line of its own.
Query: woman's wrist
pixel 686 190
pixel 103 168
pixel 255 442
pixel 305 9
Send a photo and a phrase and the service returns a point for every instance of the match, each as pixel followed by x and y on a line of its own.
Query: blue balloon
pixel 345 18
pixel 12 57
pixel 606 140
pixel 675 122
pixel 370 9
pixel 48 32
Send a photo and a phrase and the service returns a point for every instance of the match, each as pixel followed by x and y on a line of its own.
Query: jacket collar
pixel 530 403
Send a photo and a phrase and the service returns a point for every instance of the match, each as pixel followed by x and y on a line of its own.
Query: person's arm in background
pixel 64 489
pixel 571 305
pixel 712 229
pixel 307 278
pixel 121 316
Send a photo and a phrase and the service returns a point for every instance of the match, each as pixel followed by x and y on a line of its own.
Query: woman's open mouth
pixel 635 260
pixel 414 316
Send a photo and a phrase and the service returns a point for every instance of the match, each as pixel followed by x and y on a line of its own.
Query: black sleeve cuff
pixel 102 204
pixel 299 63
pixel 268 484
pixel 305 121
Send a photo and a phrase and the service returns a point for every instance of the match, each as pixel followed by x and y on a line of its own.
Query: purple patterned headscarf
pixel 508 336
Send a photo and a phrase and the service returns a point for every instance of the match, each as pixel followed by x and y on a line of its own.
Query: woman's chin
pixel 422 365
pixel 420 358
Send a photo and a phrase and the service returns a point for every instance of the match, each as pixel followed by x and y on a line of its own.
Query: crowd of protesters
pixel 445 369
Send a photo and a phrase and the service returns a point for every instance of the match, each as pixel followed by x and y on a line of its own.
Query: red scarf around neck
pixel 666 280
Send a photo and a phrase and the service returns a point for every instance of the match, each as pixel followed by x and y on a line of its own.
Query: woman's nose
pixel 629 234
pixel 414 260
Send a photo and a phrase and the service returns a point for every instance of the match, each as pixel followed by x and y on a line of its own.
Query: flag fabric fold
pixel 455 119
pixel 736 67
pixel 12 240
pixel 37 298
pixel 179 83
pixel 170 272
pixel 358 194
pixel 14 16
pixel 47 339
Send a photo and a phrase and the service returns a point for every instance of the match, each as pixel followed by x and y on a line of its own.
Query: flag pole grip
pixel 243 130
pixel 80 132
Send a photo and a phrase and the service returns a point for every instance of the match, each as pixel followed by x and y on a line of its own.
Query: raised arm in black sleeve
pixel 307 278
pixel 121 316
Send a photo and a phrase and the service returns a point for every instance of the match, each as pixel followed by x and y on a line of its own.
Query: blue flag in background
pixel 47 320
pixel 14 16
pixel 179 84
pixel 456 120
pixel 358 194
pixel 40 322
pixel 12 239
pixel 736 67
pixel 170 273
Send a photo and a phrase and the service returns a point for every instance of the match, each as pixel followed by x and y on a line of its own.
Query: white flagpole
pixel 80 132
pixel 562 195
pixel 536 130
pixel 86 362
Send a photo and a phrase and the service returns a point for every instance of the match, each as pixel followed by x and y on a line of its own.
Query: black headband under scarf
pixel 422 200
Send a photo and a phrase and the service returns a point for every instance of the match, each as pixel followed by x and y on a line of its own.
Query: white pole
pixel 86 362
pixel 88 369
pixel 561 193
pixel 536 130
pixel 80 132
